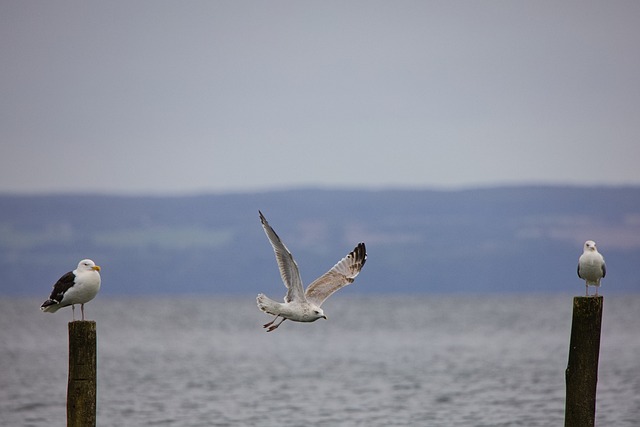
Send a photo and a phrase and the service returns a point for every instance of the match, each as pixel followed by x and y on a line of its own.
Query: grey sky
pixel 171 97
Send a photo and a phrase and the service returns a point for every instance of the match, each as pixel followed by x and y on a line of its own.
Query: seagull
pixel 75 287
pixel 301 306
pixel 591 266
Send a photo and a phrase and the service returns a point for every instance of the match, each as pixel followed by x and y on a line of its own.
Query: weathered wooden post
pixel 81 388
pixel 582 371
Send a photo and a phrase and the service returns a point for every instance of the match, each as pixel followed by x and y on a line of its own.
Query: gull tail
pixel 267 305
pixel 50 306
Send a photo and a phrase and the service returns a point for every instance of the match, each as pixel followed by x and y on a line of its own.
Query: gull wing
pixel 287 265
pixel 62 285
pixel 579 270
pixel 340 275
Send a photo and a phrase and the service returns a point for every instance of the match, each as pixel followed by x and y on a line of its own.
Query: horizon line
pixel 312 187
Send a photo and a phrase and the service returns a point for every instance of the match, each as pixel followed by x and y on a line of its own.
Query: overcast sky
pixel 197 96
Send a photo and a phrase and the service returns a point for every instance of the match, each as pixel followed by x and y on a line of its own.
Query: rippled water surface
pixel 377 361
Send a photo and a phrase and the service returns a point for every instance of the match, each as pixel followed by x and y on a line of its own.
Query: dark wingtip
pixel 48 303
pixel 360 252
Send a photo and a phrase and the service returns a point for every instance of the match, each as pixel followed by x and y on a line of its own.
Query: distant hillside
pixel 516 239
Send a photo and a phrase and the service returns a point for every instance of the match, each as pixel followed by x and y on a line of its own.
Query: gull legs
pixel 73 310
pixel 587 293
pixel 270 326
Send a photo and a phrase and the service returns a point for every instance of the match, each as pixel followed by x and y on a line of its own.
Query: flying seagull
pixel 301 306
pixel 591 266
pixel 75 287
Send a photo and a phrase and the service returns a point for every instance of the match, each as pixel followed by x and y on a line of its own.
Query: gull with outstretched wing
pixel 301 306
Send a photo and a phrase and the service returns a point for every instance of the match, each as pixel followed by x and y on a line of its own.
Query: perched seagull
pixel 301 306
pixel 591 266
pixel 76 287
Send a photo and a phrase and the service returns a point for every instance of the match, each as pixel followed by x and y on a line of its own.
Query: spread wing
pixel 287 265
pixel 62 285
pixel 340 275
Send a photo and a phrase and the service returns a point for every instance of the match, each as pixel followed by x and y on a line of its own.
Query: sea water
pixel 409 360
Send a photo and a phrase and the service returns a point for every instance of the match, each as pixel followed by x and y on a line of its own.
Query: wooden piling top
pixel 582 370
pixel 81 387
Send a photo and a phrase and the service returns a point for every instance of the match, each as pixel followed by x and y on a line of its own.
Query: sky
pixel 176 97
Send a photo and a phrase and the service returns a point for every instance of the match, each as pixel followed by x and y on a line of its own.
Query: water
pixel 377 361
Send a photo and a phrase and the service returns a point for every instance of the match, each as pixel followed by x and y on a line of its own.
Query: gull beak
pixel 96 268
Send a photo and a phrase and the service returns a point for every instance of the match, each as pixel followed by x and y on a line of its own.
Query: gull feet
pixel 266 325
pixel 271 325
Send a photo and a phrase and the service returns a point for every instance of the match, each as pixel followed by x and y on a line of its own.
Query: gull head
pixel 318 313
pixel 88 265
pixel 590 246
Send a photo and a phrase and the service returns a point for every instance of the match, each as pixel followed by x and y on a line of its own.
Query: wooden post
pixel 81 388
pixel 582 371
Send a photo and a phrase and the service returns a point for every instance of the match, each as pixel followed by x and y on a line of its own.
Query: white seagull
pixel 301 306
pixel 75 287
pixel 591 266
